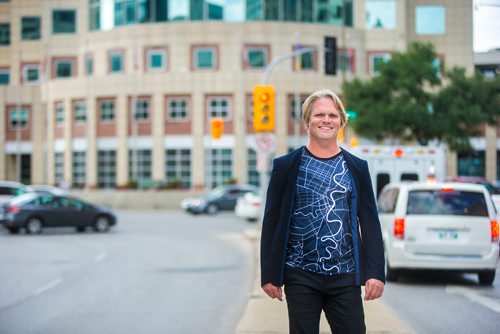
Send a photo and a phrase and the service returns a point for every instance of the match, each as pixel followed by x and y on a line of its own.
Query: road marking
pixel 48 286
pixel 101 257
pixel 475 297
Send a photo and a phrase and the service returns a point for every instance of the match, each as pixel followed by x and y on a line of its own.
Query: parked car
pixel 34 212
pixel 11 189
pixel 441 226
pixel 222 198
pixel 493 189
pixel 249 206
pixel 47 189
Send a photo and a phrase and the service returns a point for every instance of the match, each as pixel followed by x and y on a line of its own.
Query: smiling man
pixel 321 235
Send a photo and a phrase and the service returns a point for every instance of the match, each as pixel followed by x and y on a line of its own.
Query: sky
pixel 486 25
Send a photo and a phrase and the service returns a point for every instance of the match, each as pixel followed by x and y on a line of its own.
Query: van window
pixel 387 201
pixel 409 177
pixel 382 180
pixel 438 202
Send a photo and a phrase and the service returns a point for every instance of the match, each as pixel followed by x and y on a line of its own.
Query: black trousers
pixel 307 294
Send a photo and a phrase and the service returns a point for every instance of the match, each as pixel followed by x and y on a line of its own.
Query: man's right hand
pixel 273 291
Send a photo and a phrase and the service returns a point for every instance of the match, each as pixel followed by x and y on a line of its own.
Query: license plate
pixel 448 235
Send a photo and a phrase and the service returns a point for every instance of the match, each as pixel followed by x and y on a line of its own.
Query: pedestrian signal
pixel 340 136
pixel 263 108
pixel 216 128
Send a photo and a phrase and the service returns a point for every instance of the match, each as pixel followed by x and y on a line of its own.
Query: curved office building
pixel 102 93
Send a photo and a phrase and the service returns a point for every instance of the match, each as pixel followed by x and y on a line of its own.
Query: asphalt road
pixel 156 272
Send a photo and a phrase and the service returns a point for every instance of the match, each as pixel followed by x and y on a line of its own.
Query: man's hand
pixel 273 291
pixel 373 289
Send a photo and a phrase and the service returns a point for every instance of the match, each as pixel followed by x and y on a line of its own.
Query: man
pixel 321 235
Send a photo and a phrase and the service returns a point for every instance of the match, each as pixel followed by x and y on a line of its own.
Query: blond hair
pixel 309 102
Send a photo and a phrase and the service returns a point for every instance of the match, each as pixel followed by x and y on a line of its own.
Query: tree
pixel 407 101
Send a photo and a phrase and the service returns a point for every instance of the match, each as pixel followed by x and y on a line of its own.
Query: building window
pixel 471 164
pixel 377 58
pixel 18 118
pixel 345 60
pixel 59 114
pixel 178 167
pixel 177 108
pixel 296 110
pixel 256 57
pixel 219 106
pixel 107 110
pixel 156 59
pixel 253 174
pixel 31 73
pixel 139 165
pixel 306 61
pixel 4 76
pixel 430 20
pixel 115 60
pixel 125 12
pixel 63 21
pixel 4 34
pixel 79 167
pixel 141 112
pixel 59 167
pixel 30 28
pixel 89 65
pixel 80 111
pixel 204 57
pixel 220 166
pixel 380 14
pixel 106 169
pixel 64 68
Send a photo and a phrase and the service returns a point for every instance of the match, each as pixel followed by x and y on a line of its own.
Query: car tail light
pixel 13 209
pixel 399 228
pixel 494 230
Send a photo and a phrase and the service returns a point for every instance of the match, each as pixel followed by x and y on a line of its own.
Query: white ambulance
pixel 390 163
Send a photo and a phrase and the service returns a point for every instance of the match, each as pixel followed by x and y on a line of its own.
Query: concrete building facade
pixel 109 93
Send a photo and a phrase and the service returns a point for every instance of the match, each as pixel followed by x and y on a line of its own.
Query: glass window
pixel 178 10
pixel 63 68
pixel 4 34
pixel 63 21
pixel 116 62
pixel 380 14
pixel 256 57
pixel 253 174
pixel 18 118
pixel 106 169
pixel 376 59
pixel 30 28
pixel 345 60
pixel 107 110
pixel 59 114
pixel 79 167
pixel 4 76
pixel 140 165
pixel 430 20
pixel 95 14
pixel 296 110
pixel 205 57
pixel 141 112
pixel 220 170
pixel 177 108
pixel 59 167
pixel 219 107
pixel 178 167
pixel 156 59
pixel 471 164
pixel 80 111
pixel 31 73
pixel 89 64
pixel 450 202
pixel 125 12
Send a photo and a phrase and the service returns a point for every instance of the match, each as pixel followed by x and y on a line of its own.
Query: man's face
pixel 324 123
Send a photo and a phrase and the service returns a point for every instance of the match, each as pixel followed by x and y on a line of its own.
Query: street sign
pixel 264 142
pixel 352 114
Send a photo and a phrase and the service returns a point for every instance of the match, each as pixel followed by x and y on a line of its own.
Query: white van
pixel 439 226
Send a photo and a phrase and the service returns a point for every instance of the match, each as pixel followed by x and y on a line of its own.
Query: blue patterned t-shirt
pixel 320 233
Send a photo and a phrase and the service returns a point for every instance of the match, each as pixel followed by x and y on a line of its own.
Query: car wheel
pixel 34 225
pixel 391 274
pixel 212 209
pixel 486 277
pixel 101 224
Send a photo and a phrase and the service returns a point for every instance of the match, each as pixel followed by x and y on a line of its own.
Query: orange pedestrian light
pixel 216 128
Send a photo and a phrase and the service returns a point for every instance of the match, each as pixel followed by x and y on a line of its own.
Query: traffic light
pixel 263 108
pixel 216 128
pixel 330 55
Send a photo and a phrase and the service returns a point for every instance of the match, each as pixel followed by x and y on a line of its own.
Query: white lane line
pixel 101 257
pixel 48 286
pixel 475 297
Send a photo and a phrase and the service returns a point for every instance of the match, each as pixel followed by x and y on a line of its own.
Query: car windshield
pixel 441 202
pixel 216 192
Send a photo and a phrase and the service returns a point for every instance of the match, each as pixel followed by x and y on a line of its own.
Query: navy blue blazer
pixel 368 244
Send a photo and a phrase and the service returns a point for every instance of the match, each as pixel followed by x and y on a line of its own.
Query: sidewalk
pixel 264 315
